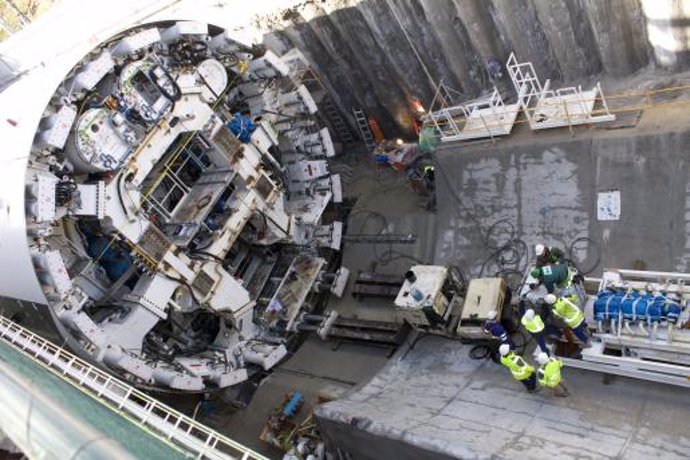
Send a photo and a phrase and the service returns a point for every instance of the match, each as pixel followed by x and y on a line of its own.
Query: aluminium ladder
pixel 170 425
pixel 364 130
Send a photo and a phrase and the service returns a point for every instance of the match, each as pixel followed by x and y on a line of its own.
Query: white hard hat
pixel 550 298
pixel 542 358
pixel 529 314
pixel 539 249
pixel 504 349
pixel 492 315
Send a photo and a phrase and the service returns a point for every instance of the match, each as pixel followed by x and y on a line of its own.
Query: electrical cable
pixel 494 226
pixel 185 283
pixel 514 247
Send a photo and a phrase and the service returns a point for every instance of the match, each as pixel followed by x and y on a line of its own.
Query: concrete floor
pixel 331 369
pixel 546 185
pixel 434 402
pixel 319 370
pixel 385 203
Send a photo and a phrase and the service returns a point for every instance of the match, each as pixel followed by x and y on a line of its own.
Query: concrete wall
pixel 353 441
pixel 363 53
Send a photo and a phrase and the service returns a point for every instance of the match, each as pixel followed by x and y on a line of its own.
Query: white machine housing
pixel 155 237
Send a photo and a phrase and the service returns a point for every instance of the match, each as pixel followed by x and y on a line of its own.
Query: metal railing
pixel 639 101
pixel 160 420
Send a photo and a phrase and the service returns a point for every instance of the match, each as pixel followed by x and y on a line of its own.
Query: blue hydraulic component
pixel 642 306
pixel 114 261
pixel 672 311
pixel 611 303
pixel 655 309
pixel 608 305
pixel 628 305
pixel 290 409
pixel 242 127
pixel 214 219
pixel 381 159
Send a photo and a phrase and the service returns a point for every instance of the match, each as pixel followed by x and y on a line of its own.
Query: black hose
pixel 571 258
pixel 207 256
pixel 118 187
pixel 266 216
pixel 494 226
pixel 206 83
pixel 523 342
pixel 177 92
pixel 515 247
pixel 480 352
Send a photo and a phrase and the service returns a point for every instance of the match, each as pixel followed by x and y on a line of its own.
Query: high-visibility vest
pixel 568 312
pixel 518 367
pixel 569 280
pixel 550 373
pixel 534 326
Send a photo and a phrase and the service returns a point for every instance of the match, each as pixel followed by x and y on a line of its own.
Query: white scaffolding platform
pixel 477 119
pixel 546 108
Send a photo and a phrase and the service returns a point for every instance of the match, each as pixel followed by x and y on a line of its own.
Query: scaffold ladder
pixel 166 423
pixel 339 125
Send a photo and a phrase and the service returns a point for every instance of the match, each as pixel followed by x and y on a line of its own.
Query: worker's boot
pixel 561 391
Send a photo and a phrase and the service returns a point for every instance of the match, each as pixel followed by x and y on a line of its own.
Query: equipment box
pixel 483 296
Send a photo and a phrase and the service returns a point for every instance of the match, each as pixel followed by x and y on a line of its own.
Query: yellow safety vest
pixel 518 367
pixel 550 373
pixel 565 284
pixel 534 326
pixel 568 312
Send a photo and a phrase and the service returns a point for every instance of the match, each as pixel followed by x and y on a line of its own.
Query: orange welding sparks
pixel 418 107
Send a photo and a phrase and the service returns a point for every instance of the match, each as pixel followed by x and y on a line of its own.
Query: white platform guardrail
pixel 162 421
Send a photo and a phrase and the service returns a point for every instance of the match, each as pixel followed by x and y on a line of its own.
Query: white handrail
pixel 137 406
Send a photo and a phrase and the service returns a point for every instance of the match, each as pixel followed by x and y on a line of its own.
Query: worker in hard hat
pixel 428 172
pixel 518 367
pixel 567 310
pixel 549 374
pixel 548 255
pixel 535 326
pixel 494 68
pixel 496 329
pixel 553 276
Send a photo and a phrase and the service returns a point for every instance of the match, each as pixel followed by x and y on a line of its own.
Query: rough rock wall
pixel 361 47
